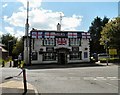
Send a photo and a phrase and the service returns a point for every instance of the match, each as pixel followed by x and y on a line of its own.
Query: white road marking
pixel 88 78
pixel 100 78
pixel 113 78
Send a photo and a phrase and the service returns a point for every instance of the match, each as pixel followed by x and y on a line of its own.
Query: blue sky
pixel 89 10
pixel 45 15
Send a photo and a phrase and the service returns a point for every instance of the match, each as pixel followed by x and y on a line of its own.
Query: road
pixel 101 79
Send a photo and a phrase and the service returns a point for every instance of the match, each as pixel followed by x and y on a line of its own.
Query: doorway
pixel 61 58
pixel 62 55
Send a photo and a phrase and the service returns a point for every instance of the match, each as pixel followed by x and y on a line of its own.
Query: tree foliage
pixel 18 48
pixel 6 38
pixel 111 33
pixel 95 31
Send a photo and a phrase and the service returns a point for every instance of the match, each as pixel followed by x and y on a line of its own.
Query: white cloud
pixel 10 30
pixel 40 18
pixel 71 22
pixel 19 33
pixel 5 5
pixel 17 19
pixel 1 33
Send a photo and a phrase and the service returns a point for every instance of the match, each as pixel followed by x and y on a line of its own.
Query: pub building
pixel 60 47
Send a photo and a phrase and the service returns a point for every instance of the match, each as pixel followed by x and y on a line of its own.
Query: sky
pixel 76 16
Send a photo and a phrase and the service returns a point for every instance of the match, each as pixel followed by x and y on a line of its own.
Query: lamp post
pixel 106 43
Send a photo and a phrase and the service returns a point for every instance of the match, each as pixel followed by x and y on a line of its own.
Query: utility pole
pixel 27 35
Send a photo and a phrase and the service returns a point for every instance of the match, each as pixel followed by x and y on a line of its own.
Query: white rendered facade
pixel 59 47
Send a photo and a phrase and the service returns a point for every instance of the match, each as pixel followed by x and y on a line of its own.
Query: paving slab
pixel 17 88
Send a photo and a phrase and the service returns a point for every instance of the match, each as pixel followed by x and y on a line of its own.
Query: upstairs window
pixel 74 41
pixel 48 41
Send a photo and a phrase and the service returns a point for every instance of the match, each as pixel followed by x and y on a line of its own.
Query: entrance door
pixel 61 58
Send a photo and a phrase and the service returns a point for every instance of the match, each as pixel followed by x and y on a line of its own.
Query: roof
pixel 35 30
pixel 3 50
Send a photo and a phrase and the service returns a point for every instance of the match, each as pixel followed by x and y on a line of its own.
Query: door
pixel 61 58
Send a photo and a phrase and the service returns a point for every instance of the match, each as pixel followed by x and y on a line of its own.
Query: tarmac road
pixel 73 80
pixel 101 79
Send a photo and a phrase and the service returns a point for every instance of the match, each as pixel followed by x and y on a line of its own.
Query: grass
pixel 6 61
pixel 112 60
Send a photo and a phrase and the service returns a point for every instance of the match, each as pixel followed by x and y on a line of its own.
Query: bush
pixel 110 60
pixel 103 60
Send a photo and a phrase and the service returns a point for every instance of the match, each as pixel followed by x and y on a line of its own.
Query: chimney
pixel 58 27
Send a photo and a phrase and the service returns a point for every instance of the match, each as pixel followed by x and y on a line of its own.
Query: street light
pixel 106 43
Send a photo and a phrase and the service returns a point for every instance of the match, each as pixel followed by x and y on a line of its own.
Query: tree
pixel 111 34
pixel 18 48
pixel 6 38
pixel 95 31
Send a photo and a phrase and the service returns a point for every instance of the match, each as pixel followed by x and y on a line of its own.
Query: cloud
pixel 10 30
pixel 71 22
pixel 5 5
pixel 40 18
pixel 1 33
pixel 13 32
pixel 17 19
pixel 19 33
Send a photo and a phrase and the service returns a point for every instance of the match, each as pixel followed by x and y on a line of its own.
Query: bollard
pixel 10 64
pixel 24 81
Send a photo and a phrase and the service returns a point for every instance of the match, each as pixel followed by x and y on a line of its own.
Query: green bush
pixel 103 60
pixel 111 60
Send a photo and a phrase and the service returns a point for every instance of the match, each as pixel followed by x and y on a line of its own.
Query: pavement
pixel 14 87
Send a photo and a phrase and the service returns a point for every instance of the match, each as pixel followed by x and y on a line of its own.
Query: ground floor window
pixel 75 55
pixel 85 54
pixel 49 56
pixel 34 56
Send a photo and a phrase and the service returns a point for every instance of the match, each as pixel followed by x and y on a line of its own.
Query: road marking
pixel 101 78
pixel 88 78
pixel 113 78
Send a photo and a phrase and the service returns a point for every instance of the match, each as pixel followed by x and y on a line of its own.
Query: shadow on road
pixel 54 65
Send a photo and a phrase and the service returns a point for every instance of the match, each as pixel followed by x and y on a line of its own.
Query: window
pixel 61 41
pixel 75 55
pixel 49 56
pixel 85 54
pixel 34 56
pixel 75 49
pixel 74 41
pixel 48 41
